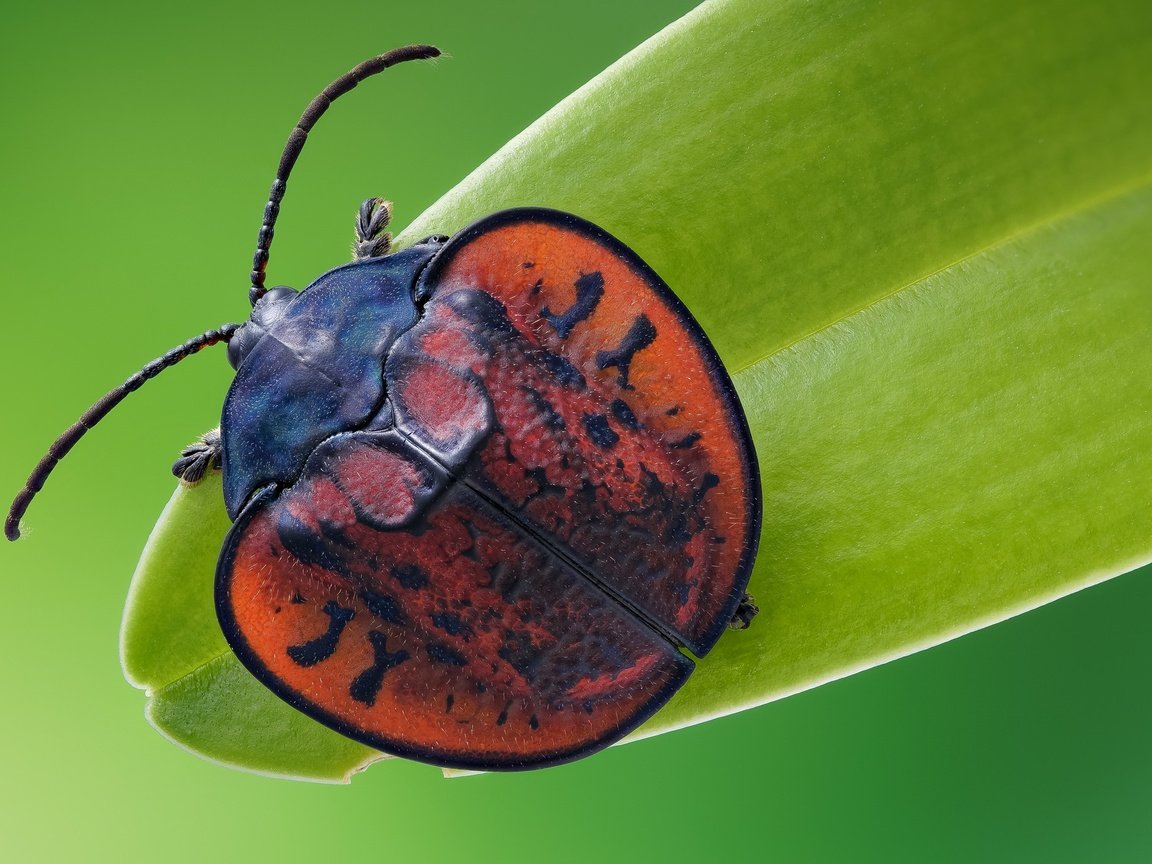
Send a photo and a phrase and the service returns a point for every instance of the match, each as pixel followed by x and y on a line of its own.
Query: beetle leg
pixel 745 612
pixel 198 457
pixel 372 240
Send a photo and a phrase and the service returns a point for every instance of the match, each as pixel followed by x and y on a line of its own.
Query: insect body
pixel 484 489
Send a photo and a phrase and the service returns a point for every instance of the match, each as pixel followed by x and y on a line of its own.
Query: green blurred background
pixel 138 144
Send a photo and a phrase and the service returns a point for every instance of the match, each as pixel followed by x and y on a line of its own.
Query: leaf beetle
pixel 486 491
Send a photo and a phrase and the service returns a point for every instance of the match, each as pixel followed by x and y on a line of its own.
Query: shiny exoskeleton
pixel 489 492
pixel 484 491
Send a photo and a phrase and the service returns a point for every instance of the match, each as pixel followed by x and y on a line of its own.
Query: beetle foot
pixel 198 457
pixel 372 241
pixel 745 612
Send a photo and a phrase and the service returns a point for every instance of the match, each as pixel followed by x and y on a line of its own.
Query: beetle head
pixel 268 309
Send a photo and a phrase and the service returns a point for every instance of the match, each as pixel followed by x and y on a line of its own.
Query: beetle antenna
pixel 98 412
pixel 312 113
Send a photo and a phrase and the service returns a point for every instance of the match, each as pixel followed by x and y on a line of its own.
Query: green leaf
pixel 200 696
pixel 918 236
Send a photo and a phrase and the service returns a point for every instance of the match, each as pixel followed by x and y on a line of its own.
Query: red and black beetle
pixel 484 489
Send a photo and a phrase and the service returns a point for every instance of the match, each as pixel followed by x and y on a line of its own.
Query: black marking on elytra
pixel 335 534
pixel 322 647
pixel 640 336
pixel 602 435
pixel 519 652
pixel 585 494
pixel 653 485
pixel 410 576
pixel 589 290
pixel 366 686
pixel 482 309
pixel 533 722
pixel 438 652
pixel 546 409
pixel 528 265
pixel 710 481
pixel 683 591
pixel 687 441
pixel 474 533
pixel 509 456
pixel 679 532
pixel 298 598
pixel 384 607
pixel 507 581
pixel 307 546
pixel 683 520
pixel 562 370
pixel 449 701
pixel 452 624
pixel 624 414
pixel 540 475
pixel 276 611
pixel 673 411
pixel 503 718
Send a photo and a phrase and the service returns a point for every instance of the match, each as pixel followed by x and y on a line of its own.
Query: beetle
pixel 486 491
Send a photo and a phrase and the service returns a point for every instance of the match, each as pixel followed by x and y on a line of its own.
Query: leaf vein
pixel 1079 209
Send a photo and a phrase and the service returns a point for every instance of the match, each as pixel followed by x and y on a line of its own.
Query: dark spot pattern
pixel 602 435
pixel 366 686
pixel 451 623
pixel 710 481
pixel 562 370
pixel 473 551
pixel 589 290
pixel 324 646
pixel 546 409
pixel 438 652
pixel 686 442
pixel 384 607
pixel 519 652
pixel 309 546
pixel 624 414
pixel 335 534
pixel 540 475
pixel 410 576
pixel 640 336
pixel 482 309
